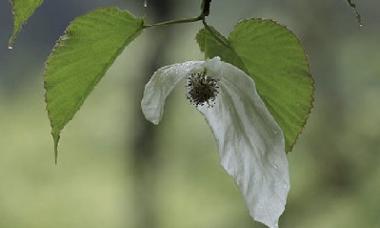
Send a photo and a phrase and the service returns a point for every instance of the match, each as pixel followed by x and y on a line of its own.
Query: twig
pixel 357 14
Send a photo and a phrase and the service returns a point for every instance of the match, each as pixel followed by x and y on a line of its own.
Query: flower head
pixel 202 88
pixel 250 142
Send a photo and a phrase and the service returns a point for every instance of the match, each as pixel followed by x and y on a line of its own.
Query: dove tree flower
pixel 250 142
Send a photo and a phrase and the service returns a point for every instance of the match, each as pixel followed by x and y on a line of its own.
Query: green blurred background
pixel 117 171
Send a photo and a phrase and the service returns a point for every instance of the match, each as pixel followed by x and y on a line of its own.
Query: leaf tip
pixel 12 40
pixel 56 141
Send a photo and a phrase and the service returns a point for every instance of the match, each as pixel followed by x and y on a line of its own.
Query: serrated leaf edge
pixel 311 97
pixel 13 37
pixel 66 36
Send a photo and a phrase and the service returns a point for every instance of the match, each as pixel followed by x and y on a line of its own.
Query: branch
pixel 206 8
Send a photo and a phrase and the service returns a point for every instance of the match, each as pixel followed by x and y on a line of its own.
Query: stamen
pixel 202 89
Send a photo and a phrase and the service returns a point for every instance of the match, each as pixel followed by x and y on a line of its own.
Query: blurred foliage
pixel 334 168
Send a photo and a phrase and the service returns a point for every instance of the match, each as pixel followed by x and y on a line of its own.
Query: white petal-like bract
pixel 250 142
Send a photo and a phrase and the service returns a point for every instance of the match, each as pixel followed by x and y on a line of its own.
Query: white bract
pixel 250 142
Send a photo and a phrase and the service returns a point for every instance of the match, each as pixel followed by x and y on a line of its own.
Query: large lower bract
pixel 251 144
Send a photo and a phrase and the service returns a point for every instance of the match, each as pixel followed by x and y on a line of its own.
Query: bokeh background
pixel 117 171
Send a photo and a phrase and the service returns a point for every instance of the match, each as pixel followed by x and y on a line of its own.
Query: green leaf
pixel 22 10
pixel 212 43
pixel 273 56
pixel 80 59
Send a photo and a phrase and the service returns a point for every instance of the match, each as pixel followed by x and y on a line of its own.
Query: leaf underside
pixel 273 56
pixel 22 10
pixel 81 57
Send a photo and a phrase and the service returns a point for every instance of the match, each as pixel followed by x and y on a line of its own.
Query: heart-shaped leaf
pixel 80 59
pixel 273 56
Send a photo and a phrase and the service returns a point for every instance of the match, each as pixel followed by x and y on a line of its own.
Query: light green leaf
pixel 22 10
pixel 273 56
pixel 80 59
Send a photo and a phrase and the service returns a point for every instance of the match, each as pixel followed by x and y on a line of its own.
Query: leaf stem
pixel 205 12
pixel 218 38
pixel 178 21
